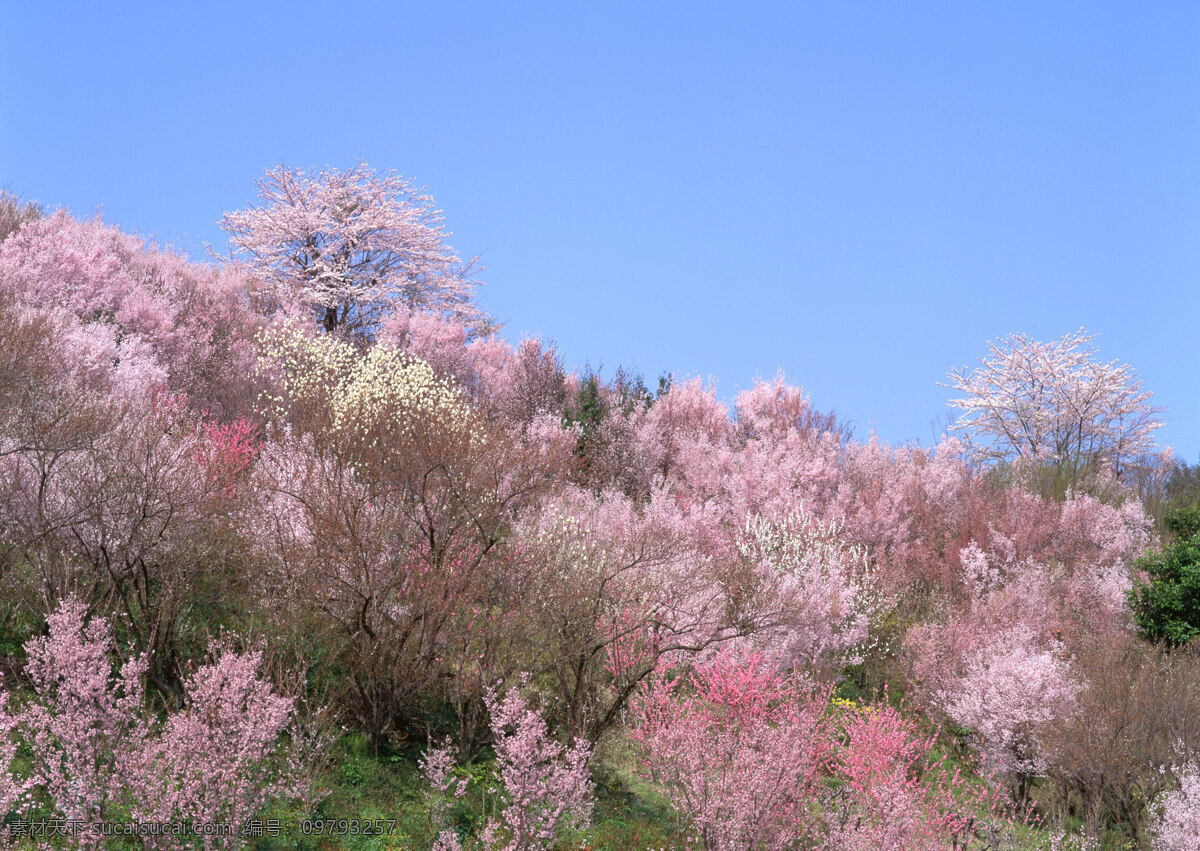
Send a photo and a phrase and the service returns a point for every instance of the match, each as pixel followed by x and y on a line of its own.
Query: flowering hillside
pixel 299 552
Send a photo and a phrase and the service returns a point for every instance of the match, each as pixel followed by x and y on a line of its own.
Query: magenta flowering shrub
pixel 740 749
pixel 98 756
pixel 893 797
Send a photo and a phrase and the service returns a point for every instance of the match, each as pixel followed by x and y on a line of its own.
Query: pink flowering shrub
pixel 216 761
pixel 544 786
pixel 740 749
pixel 84 729
pixel 1176 826
pixel 681 437
pixel 521 383
pixel 1092 532
pixel 789 455
pixel 125 499
pixel 97 756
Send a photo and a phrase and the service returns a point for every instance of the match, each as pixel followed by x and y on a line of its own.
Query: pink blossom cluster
pixel 98 754
pixel 1176 826
pixel 744 752
pixel 895 796
pixel 153 314
pixel 544 785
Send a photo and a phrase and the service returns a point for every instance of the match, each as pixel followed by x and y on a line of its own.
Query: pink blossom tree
pixel 521 383
pixel 816 595
pixel 351 247
pixel 617 589
pixel 1009 694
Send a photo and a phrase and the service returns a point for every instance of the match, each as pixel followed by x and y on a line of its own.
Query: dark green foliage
pixel 589 407
pixel 664 386
pixel 1168 607
pixel 1184 522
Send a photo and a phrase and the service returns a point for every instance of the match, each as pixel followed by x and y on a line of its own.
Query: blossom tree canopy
pixel 351 246
pixel 1055 402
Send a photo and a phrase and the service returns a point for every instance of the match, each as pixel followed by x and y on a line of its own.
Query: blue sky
pixel 861 195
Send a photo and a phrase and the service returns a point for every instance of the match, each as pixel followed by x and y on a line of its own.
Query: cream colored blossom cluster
pixel 387 384
pixel 568 546
pixel 381 391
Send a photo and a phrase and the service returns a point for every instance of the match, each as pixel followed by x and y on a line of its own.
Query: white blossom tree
pixel 352 247
pixel 1055 406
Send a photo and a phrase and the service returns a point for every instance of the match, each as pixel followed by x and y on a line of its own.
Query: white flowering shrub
pixel 820 586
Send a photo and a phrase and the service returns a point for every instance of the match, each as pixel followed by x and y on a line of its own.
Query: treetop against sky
pixel 862 197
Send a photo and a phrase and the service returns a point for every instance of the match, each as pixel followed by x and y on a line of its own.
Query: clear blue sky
pixel 859 194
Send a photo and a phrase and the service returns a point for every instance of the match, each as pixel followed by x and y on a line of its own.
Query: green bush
pixel 1168 607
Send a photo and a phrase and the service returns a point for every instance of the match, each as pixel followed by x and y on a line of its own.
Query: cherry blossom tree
pixel 817 588
pixel 1011 692
pixel 1055 406
pixel 352 247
